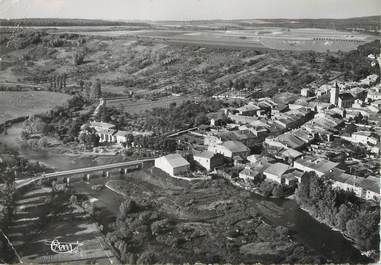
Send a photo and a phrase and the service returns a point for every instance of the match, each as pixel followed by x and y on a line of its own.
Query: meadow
pixel 18 104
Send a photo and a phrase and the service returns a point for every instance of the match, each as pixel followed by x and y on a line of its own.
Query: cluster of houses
pixel 355 97
pixel 285 131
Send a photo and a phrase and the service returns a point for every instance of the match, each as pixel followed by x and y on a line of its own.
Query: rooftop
pixel 277 169
pixel 205 154
pixel 346 96
pixel 176 160
pixel 291 153
pixel 103 125
pixel 235 146
pixel 371 183
pixel 317 164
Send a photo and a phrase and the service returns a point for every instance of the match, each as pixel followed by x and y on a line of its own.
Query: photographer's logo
pixel 64 247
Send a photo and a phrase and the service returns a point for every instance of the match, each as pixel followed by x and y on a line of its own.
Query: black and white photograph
pixel 190 131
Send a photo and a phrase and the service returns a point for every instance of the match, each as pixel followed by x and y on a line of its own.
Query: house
pixel 121 136
pixel 374 93
pixel 290 155
pixel 208 160
pixel 230 149
pixel 366 138
pixel 105 131
pixel 369 80
pixel 106 135
pixel 276 171
pixel 293 176
pixel 306 92
pixel 244 136
pixel 345 100
pixel 248 110
pixel 365 188
pixel 284 141
pixel 371 188
pixel 249 174
pixel 173 164
pixel 318 165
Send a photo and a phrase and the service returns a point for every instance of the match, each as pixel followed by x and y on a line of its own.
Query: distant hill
pixel 65 22
pixel 368 23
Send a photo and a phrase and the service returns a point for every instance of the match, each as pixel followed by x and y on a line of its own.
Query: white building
pixel 275 172
pixel 173 164
pixel 208 160
pixel 365 137
pixel 121 136
pixel 306 92
pixel 365 188
pixel 230 149
pixel 334 95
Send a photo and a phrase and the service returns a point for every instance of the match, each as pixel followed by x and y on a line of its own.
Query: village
pixel 212 142
pixel 265 141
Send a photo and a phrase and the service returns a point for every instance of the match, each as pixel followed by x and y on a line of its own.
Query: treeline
pixel 28 22
pixel 342 210
pixel 368 23
pixel 13 167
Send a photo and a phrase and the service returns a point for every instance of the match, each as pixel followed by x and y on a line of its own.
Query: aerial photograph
pixel 190 131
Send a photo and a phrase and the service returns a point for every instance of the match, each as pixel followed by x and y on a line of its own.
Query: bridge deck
pixel 96 168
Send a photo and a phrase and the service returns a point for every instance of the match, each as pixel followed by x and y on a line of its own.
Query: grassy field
pixel 17 104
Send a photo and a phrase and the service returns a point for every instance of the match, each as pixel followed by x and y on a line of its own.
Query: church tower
pixel 334 94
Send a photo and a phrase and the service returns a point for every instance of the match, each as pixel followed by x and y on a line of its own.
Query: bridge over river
pixel 86 172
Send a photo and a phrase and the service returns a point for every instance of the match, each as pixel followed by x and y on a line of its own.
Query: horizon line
pixel 189 20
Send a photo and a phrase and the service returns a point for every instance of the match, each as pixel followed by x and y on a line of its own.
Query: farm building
pixel 173 164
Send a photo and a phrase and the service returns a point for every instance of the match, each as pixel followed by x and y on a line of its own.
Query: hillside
pixel 50 22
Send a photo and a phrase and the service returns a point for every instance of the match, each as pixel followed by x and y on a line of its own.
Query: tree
pixel 350 128
pixel 344 214
pixel 303 191
pixel 97 91
pixel 201 118
pixel 277 191
pixel 79 57
pixel 130 139
pixel 88 137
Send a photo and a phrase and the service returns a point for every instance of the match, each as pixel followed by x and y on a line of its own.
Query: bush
pixel 79 57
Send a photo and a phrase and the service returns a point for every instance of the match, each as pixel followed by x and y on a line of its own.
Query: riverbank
pixel 353 242
pixel 371 256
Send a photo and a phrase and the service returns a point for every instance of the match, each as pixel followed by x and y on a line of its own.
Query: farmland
pixel 17 104
pixel 319 40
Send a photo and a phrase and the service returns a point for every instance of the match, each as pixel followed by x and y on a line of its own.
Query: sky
pixel 188 9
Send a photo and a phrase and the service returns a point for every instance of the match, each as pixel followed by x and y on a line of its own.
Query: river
pixel 305 229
